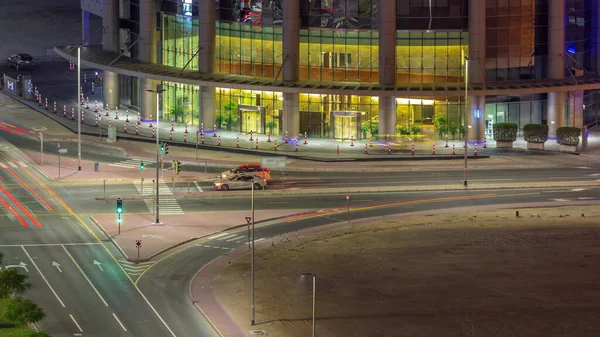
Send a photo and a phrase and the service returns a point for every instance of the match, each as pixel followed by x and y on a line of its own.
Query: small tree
pixel 568 135
pixel 535 133
pixel 505 131
pixel 23 311
pixel 12 283
pixel 177 112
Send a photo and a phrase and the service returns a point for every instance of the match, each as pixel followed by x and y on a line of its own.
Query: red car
pixel 254 169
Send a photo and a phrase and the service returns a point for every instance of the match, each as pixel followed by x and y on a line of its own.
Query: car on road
pixel 21 61
pixel 240 181
pixel 255 169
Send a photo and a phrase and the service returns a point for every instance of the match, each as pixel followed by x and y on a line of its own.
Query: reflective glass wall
pixel 579 36
pixel 179 41
pixel 526 109
pixel 180 103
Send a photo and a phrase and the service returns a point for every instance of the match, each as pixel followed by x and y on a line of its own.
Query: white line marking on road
pixel 85 276
pixel 43 277
pixel 96 263
pixel 578 189
pixel 518 194
pixel 198 186
pixel 218 236
pixel 559 199
pixel 74 321
pixel 591 175
pixel 229 236
pixel 225 248
pixel 277 202
pixel 12 164
pixel 57 265
pixel 586 198
pixel 258 240
pixel 20 265
pixel 235 238
pixel 22 164
pixel 121 324
pixel 53 244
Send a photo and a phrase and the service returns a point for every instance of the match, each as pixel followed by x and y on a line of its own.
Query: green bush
pixel 505 132
pixel 535 133
pixel 567 135
pixel 7 325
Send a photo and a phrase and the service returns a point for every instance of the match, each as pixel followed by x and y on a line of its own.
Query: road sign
pixel 274 162
pixel 248 219
pixel 63 151
pixel 138 243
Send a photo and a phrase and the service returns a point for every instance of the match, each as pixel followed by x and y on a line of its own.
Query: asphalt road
pixel 75 277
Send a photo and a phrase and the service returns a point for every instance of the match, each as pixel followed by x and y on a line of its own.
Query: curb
pixel 109 238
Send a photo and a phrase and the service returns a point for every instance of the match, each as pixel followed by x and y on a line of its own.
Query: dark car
pixel 21 61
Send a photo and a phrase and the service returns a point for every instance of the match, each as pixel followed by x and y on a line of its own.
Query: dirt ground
pixel 459 274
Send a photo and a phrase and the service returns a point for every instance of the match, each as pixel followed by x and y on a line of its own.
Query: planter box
pixel 567 148
pixel 535 146
pixel 504 144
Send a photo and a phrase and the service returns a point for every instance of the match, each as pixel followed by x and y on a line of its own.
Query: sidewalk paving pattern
pixel 168 203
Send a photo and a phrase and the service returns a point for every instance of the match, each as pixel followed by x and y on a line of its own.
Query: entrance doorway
pixel 252 119
pixel 346 124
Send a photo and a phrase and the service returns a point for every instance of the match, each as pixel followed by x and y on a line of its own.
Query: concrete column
pixel 148 33
pixel 85 27
pixel 476 119
pixel 207 107
pixel 556 41
pixel 110 42
pixel 110 89
pixel 291 40
pixel 147 99
pixel 291 115
pixel 206 36
pixel 576 109
pixel 387 42
pixel 477 27
pixel 556 112
pixel 387 117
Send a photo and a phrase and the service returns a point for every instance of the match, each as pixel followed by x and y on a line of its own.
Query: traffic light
pixel 177 166
pixel 142 166
pixel 166 149
pixel 119 206
pixel 162 147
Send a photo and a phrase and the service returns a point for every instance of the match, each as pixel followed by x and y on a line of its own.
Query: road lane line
pixel 74 321
pixel 43 277
pixel 13 165
pixel 218 236
pixel 198 186
pixel 84 275
pixel 53 244
pixel 121 324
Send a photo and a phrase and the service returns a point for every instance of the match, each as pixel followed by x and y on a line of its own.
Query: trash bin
pixel 96 167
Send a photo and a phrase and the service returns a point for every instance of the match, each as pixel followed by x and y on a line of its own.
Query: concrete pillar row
pixel 207 107
pixel 110 42
pixel 110 89
pixel 576 109
pixel 85 27
pixel 147 98
pixel 387 42
pixel 207 11
pixel 476 119
pixel 477 28
pixel 387 117
pixel 291 115
pixel 291 40
pixel 556 112
pixel 148 34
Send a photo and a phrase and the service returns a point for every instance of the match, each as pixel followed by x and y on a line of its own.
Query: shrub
pixel 567 135
pixel 505 132
pixel 535 133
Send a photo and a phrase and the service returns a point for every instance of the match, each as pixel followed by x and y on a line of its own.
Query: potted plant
pixel 535 135
pixel 568 138
pixel 229 117
pixel 505 134
pixel 270 125
pixel 177 112
pixel 365 127
pixel 374 129
pixel 453 130
pixel 441 126
pixel 326 130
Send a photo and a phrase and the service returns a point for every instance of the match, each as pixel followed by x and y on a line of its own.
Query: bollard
pixel 338 150
pixel 484 143
pixel 54 108
pixel 389 148
pixel 96 106
pixel 433 149
pixel 93 90
pixel 170 134
pixel 151 124
pixel 202 139
pixel 237 142
pixel 475 152
pixel 137 130
pixel 517 214
pixel 46 104
pixel 446 141
pixel 186 129
pixel 39 100
pixel 172 126
pixel 96 122
pixel 125 127
pixel 256 143
pixel 251 134
pixel 65 111
pixel 453 150
pixel 117 113
pixel 82 114
pixel 413 148
pixel 366 149
pixel 286 137
pixel 305 142
pixel 72 113
pixel 214 130
pixel 87 103
pixel 296 147
pixel 219 143
pixel 110 124
pixel 153 131
pixel 268 137
pixel 352 140
pixel 275 144
pixel 201 128
pixel 107 110
pixel 126 116
pixel 185 137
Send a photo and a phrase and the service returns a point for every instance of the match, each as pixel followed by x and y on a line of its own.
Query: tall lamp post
pixel 314 300
pixel 158 91
pixel 466 114
pixel 78 108
pixel 253 305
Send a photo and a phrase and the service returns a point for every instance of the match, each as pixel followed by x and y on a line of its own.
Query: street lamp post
pixel 253 305
pixel 314 300
pixel 466 114
pixel 158 92
pixel 78 109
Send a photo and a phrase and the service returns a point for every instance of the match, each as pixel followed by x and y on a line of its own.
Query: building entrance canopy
pixel 95 57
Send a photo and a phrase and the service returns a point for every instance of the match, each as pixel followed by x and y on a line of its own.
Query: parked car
pixel 21 61
pixel 255 169
pixel 241 181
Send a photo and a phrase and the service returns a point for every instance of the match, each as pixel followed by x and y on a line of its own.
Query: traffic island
pixel 438 275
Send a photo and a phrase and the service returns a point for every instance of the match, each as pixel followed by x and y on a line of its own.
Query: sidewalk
pixel 174 230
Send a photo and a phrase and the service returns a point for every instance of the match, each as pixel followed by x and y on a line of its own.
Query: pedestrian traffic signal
pixel 119 206
pixel 177 166
pixel 162 147
pixel 142 166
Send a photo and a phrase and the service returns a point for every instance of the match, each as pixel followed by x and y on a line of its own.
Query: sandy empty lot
pixel 459 274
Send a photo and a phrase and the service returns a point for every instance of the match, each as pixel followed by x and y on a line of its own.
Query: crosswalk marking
pixel 168 203
pixel 132 163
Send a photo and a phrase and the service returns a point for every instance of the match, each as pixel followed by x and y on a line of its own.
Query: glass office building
pixel 360 68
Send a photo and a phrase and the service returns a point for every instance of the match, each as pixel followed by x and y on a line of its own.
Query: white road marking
pixel 43 277
pixel 258 240
pixel 586 198
pixel 12 164
pixel 57 265
pixel 235 238
pixel 218 235
pixel 121 324
pixel 22 164
pixel 85 276
pixel 198 186
pixel 229 236
pixel 20 265
pixel 74 321
pixel 53 244
pixel 559 199
pixel 96 263
pixel 578 189
pixel 591 175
